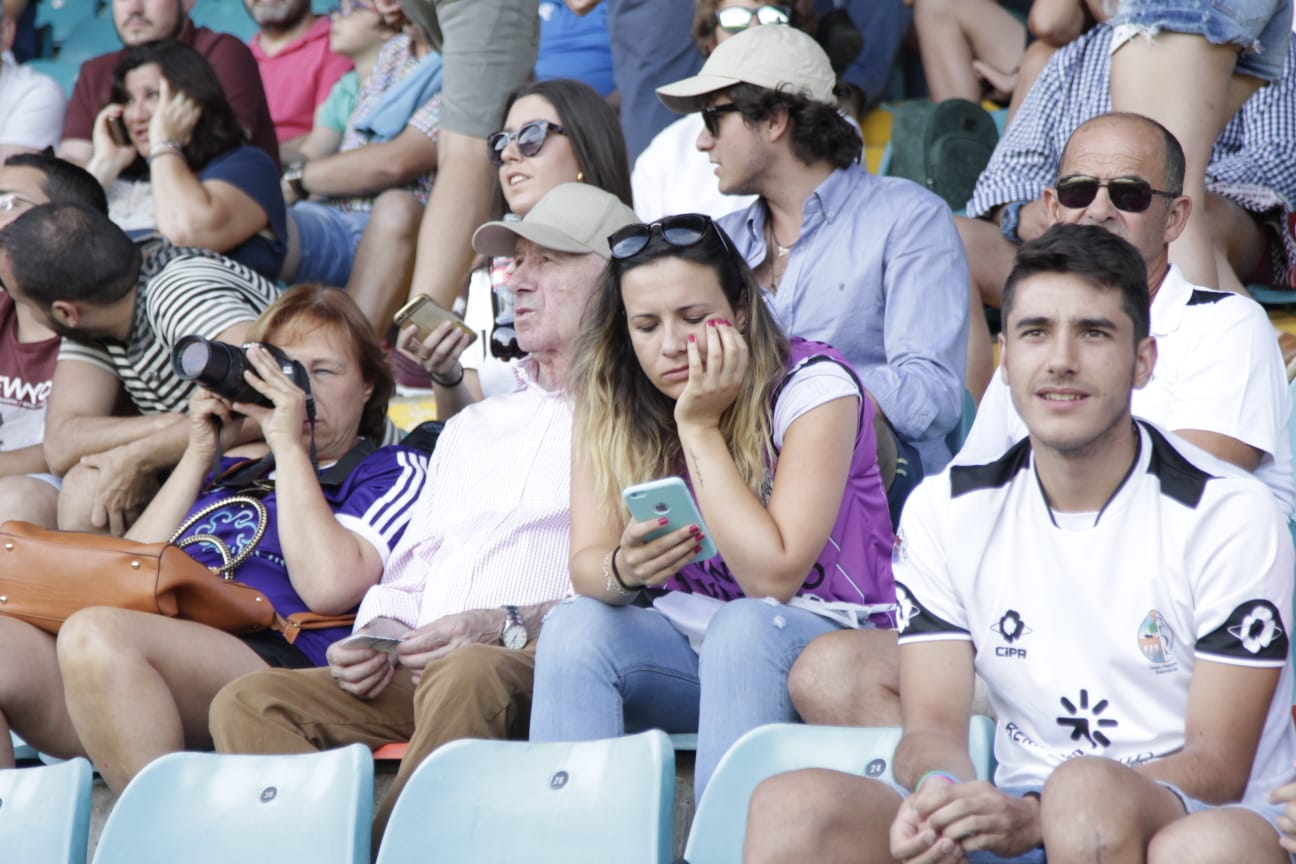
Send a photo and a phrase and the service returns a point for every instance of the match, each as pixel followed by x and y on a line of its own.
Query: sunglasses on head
pixel 737 19
pixel 1130 194
pixel 711 117
pixel 682 231
pixel 529 137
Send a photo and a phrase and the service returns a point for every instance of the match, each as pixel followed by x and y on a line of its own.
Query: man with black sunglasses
pixel 870 265
pixel 1219 383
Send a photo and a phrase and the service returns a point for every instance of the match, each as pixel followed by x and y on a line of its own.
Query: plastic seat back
pixel 63 16
pixel 205 808
pixel 497 802
pixel 91 37
pixel 721 819
pixel 45 813
pixel 224 17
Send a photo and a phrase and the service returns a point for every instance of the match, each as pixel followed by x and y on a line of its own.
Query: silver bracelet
pixel 613 584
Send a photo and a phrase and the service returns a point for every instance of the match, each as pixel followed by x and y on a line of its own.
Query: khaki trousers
pixel 476 691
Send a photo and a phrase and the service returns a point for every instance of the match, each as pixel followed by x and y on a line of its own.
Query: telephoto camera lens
pixel 219 367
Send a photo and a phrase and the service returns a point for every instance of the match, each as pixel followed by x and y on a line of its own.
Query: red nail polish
pixel 712 322
pixel 692 338
pixel 693 529
pixel 662 521
pixel 697 550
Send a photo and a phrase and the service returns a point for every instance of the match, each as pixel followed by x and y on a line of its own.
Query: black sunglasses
pixel 530 137
pixel 1130 194
pixel 711 116
pixel 737 19
pixel 682 231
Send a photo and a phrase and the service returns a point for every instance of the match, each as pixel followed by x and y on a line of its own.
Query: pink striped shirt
pixel 493 523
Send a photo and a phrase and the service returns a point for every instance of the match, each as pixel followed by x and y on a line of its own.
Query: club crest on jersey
pixel 1011 628
pixel 1156 639
pixel 906 608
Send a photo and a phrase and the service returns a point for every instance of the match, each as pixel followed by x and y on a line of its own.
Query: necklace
pixel 781 252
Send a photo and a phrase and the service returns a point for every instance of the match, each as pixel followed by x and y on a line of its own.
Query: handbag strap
pixel 226 570
pixel 291 626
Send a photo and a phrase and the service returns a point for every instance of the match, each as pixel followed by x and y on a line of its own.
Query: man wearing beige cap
pixel 463 595
pixel 870 265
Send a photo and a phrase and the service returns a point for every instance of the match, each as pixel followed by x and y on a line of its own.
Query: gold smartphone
pixel 426 314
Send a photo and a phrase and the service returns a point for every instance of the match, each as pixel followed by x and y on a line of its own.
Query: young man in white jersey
pixel 1122 593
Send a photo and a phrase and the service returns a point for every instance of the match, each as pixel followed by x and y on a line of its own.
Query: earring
pixel 580 176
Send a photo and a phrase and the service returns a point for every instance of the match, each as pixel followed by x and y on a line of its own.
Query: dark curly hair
pixel 818 129
pixel 188 72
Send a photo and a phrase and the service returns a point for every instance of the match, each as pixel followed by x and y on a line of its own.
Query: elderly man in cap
pixel 870 265
pixel 486 554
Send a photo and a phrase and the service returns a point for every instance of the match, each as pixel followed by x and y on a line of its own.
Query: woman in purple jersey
pixel 682 370
pixel 125 687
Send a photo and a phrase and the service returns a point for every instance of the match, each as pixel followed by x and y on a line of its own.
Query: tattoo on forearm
pixel 696 471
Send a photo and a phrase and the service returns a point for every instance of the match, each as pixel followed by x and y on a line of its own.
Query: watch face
pixel 515 637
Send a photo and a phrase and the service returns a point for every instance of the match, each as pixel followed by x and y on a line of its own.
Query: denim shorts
pixel 327 238
pixel 1266 811
pixel 1261 27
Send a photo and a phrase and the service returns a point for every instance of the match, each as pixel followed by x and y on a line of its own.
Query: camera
pixel 219 367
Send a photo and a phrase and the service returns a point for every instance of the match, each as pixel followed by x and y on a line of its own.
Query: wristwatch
pixel 1008 220
pixel 292 175
pixel 514 635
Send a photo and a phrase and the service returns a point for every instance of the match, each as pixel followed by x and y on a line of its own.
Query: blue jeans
pixel 603 671
pixel 1261 27
pixel 327 238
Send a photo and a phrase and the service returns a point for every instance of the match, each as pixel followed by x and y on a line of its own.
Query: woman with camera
pixel 682 369
pixel 556 131
pixel 204 184
pixel 123 687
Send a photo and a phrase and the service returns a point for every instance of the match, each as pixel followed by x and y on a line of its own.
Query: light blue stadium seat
pixel 958 435
pixel 22 750
pixel 63 16
pixel 1291 437
pixel 215 808
pixel 63 71
pixel 224 16
pixel 45 813
pixel 90 38
pixel 492 802
pixel 322 7
pixel 1271 296
pixel 721 819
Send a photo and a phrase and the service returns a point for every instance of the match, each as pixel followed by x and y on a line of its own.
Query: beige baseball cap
pixel 773 56
pixel 571 217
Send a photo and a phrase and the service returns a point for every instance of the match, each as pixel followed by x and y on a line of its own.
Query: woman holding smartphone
pixel 203 185
pixel 682 370
pixel 558 131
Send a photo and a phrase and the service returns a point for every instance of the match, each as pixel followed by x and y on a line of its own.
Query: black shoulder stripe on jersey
pixel 969 478
pixel 915 619
pixel 1253 632
pixel 1202 296
pixel 1180 479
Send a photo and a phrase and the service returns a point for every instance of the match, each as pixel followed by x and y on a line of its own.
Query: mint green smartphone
pixel 669 498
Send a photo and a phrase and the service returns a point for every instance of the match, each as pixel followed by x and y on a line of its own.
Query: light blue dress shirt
pixel 879 273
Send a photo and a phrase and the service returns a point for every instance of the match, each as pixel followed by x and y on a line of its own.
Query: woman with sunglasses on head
pixel 671 175
pixel 557 131
pixel 200 183
pixel 682 370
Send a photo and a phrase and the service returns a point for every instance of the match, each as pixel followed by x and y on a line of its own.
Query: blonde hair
pixel 626 425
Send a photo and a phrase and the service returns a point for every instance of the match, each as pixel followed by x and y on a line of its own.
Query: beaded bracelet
pixel 162 148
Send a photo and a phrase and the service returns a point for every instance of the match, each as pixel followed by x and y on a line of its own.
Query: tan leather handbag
pixel 47 575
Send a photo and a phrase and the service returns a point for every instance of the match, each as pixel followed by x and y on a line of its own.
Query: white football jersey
pixel 1087 626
